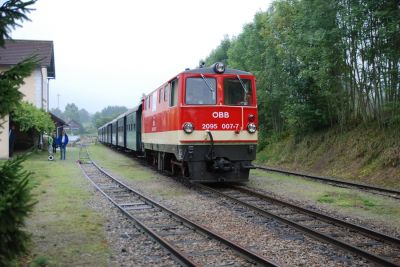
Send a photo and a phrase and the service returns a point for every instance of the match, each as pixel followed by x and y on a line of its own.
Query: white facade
pixel 36 91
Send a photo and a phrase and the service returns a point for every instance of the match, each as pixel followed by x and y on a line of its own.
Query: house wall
pixel 35 91
pixel 4 137
pixel 32 89
pixel 45 89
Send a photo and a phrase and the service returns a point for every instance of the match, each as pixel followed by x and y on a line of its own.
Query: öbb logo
pixel 220 115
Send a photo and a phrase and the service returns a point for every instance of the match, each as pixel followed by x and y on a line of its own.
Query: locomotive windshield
pixel 201 91
pixel 237 91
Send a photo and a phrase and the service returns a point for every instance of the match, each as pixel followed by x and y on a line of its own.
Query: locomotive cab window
pixel 238 91
pixel 174 93
pixel 166 90
pixel 201 91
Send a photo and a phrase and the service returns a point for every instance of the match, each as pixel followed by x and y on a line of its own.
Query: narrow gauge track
pixel 372 189
pixel 190 243
pixel 371 245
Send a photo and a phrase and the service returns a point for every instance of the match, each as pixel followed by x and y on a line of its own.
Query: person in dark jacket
pixel 54 144
pixel 63 142
pixel 11 140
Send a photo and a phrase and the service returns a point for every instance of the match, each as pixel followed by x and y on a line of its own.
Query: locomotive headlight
pixel 188 127
pixel 251 128
pixel 219 67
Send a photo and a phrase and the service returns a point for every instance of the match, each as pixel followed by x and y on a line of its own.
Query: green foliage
pixel 10 81
pixel 72 112
pixel 102 120
pixel 107 114
pixel 10 12
pixel 58 113
pixel 347 200
pixel 16 202
pixel 321 63
pixel 41 261
pixel 29 117
pixel 83 115
pixel 16 199
pixel 220 53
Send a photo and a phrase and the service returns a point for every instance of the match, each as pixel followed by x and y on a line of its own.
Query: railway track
pixel 190 243
pixel 371 245
pixel 372 189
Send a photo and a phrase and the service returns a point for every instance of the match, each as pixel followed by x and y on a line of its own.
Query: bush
pixel 16 202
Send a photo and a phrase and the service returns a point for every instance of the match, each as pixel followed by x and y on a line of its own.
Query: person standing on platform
pixel 54 144
pixel 11 140
pixel 63 142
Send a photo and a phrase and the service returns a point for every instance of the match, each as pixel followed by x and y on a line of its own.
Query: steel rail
pixel 389 192
pixel 369 232
pixel 315 234
pixel 181 256
pixel 247 254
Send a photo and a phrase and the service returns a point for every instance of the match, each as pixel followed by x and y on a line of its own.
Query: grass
pixel 65 230
pixel 346 201
pixel 365 153
pixel 125 166
pixel 41 261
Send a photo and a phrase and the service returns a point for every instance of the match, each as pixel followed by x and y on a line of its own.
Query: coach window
pixel 237 92
pixel 201 91
pixel 174 93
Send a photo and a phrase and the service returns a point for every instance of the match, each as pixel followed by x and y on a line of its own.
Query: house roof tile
pixel 15 51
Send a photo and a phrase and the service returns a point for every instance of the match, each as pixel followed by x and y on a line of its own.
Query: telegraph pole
pixel 58 101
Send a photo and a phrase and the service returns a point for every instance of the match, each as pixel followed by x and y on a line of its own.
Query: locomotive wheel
pixel 185 170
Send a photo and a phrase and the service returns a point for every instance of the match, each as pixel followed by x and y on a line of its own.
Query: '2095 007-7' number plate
pixel 222 126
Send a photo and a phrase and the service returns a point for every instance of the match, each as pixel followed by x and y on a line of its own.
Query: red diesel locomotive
pixel 204 122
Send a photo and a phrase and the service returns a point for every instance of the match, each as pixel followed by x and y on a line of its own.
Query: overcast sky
pixel 111 52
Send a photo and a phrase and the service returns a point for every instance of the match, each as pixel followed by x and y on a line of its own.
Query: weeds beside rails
pixel 84 157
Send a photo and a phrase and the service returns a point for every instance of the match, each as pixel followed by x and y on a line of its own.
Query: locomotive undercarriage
pixel 204 163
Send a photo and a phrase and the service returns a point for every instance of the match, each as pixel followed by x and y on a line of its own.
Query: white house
pixel 36 87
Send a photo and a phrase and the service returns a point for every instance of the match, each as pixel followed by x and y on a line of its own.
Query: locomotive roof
pixel 210 70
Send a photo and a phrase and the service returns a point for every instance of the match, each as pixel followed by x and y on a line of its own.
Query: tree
pixel 29 117
pixel 321 63
pixel 220 54
pixel 16 200
pixel 84 115
pixel 71 112
pixel 11 12
pixel 107 114
pixel 58 113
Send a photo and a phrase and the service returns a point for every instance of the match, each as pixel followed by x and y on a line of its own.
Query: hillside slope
pixel 362 154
